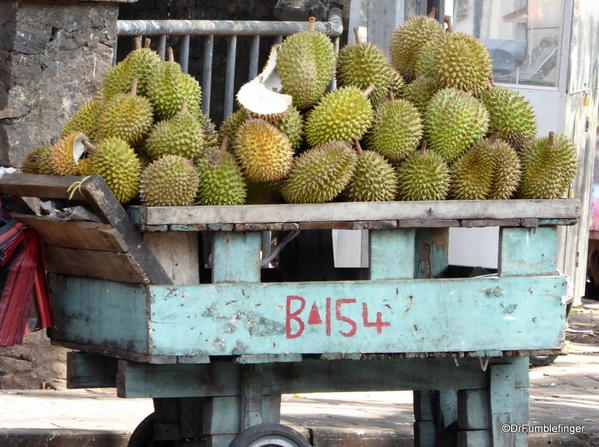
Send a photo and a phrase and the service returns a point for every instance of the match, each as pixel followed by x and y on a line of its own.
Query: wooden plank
pixel 528 251
pixel 43 186
pixel 474 438
pixel 420 223
pixel 355 211
pixel 94 264
pixel 473 410
pixel 392 254
pixel 310 376
pixel 250 408
pixel 178 254
pixel 86 370
pixel 432 252
pixel 236 257
pixel 478 223
pixel 75 233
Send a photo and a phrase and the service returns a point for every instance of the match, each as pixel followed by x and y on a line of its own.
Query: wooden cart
pixel 216 355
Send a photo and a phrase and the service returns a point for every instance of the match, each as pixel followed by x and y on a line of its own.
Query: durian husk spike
pixel 551 139
pixel 134 86
pixel 147 42
pixel 137 41
pixel 224 146
pixel 170 55
pixel 357 35
pixel 358 147
pixel 433 13
pixel 311 23
pixel 449 23
pixel 369 90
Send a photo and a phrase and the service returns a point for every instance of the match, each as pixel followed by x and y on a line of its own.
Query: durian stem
pixel 357 35
pixel 137 41
pixel 134 86
pixel 358 147
pixel 494 138
pixel 311 23
pixel 225 144
pixel 423 149
pixel 147 42
pixel 449 23
pixel 369 90
pixel 170 55
pixel 433 13
pixel 551 139
pixel 184 106
pixel 89 146
pixel 390 95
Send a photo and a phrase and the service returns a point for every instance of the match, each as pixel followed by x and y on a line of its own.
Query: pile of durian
pixel 431 121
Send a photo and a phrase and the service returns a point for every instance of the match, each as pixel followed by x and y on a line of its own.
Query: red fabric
pixel 22 254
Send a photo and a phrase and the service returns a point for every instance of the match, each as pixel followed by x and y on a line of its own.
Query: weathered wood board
pixel 381 316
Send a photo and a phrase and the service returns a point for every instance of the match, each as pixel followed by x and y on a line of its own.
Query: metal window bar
pixel 226 28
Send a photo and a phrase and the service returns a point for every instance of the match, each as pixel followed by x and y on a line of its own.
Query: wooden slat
pixel 466 210
pixel 43 186
pixel 75 233
pixel 86 370
pixel 95 264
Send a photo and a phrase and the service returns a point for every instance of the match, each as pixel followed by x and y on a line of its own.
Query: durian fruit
pixel 420 92
pixel 425 60
pixel 362 65
pixel 85 119
pixel 117 80
pixel 511 117
pixel 397 83
pixel 264 192
pixel 85 167
pixel 454 120
pixel 424 175
pixel 168 87
pixel 548 168
pixel 374 178
pixel 342 115
pixel 230 126
pixel 306 64
pixel 221 180
pixel 489 170
pixel 460 61
pixel 38 161
pixel 263 151
pixel 126 116
pixel 320 174
pixel 396 131
pixel 408 40
pixel 180 135
pixel 116 162
pixel 169 181
pixel 142 62
pixel 65 154
pixel 292 125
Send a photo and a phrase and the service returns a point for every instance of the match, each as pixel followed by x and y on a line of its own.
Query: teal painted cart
pixel 216 354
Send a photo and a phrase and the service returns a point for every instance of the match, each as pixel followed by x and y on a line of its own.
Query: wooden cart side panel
pixel 101 313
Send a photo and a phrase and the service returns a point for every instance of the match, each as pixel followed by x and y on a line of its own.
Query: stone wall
pixel 53 55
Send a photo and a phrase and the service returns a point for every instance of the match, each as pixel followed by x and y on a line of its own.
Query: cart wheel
pixel 143 435
pixel 269 435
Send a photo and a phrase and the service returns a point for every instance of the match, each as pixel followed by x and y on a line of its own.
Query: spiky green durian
pixel 489 170
pixel 180 135
pixel 221 180
pixel 320 174
pixel 362 65
pixel 169 181
pixel 342 115
pixel 460 61
pixel 62 157
pixel 292 125
pixel 168 87
pixel 511 117
pixel 306 64
pixel 230 126
pixel 397 83
pixel 117 80
pixel 408 40
pixel 126 116
pixel 116 162
pixel 424 175
pixel 548 168
pixel 85 167
pixel 425 60
pixel 264 192
pixel 396 131
pixel 263 151
pixel 142 63
pixel 374 179
pixel 420 92
pixel 84 120
pixel 454 120
pixel 38 161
